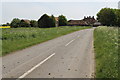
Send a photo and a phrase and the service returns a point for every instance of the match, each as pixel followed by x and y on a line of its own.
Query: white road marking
pixel 69 42
pixel 28 61
pixel 29 71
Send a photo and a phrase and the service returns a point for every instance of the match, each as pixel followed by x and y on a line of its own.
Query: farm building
pixel 26 21
pixel 77 23
pixel 87 21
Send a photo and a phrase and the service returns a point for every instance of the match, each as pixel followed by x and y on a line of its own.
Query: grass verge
pixel 19 38
pixel 106 52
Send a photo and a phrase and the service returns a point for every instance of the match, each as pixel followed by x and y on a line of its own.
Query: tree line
pixel 106 16
pixel 109 17
pixel 44 21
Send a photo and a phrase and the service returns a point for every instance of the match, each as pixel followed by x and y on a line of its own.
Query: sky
pixel 34 9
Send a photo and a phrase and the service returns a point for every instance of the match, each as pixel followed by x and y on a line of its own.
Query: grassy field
pixel 106 52
pixel 19 38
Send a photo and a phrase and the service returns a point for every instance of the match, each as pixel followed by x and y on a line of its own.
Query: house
pixel 87 21
pixel 77 23
pixel 26 21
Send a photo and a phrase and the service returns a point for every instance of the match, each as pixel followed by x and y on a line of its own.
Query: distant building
pixel 119 5
pixel 90 20
pixel 77 23
pixel 87 21
pixel 56 21
pixel 26 21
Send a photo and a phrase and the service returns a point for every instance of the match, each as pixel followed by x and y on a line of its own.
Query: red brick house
pixel 90 20
pixel 26 21
pixel 77 23
pixel 87 21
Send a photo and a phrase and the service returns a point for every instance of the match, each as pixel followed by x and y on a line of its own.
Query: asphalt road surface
pixel 69 56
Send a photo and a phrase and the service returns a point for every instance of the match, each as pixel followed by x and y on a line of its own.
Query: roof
pixel 77 22
pixel 25 20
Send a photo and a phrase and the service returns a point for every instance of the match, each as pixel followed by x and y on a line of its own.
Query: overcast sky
pixel 33 9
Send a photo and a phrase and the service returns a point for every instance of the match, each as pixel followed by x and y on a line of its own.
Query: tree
pixel 53 21
pixel 62 20
pixel 43 21
pixel 15 23
pixel 46 21
pixel 117 12
pixel 33 23
pixel 106 16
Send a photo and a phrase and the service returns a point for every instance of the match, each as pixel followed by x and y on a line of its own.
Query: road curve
pixel 69 56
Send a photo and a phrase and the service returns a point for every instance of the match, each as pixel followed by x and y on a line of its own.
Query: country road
pixel 68 56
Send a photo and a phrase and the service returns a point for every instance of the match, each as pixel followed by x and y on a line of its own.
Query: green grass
pixel 19 38
pixel 106 52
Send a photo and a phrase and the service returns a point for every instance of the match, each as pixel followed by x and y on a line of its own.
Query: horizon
pixel 34 10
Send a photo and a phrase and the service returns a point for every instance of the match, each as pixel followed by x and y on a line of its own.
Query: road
pixel 68 56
